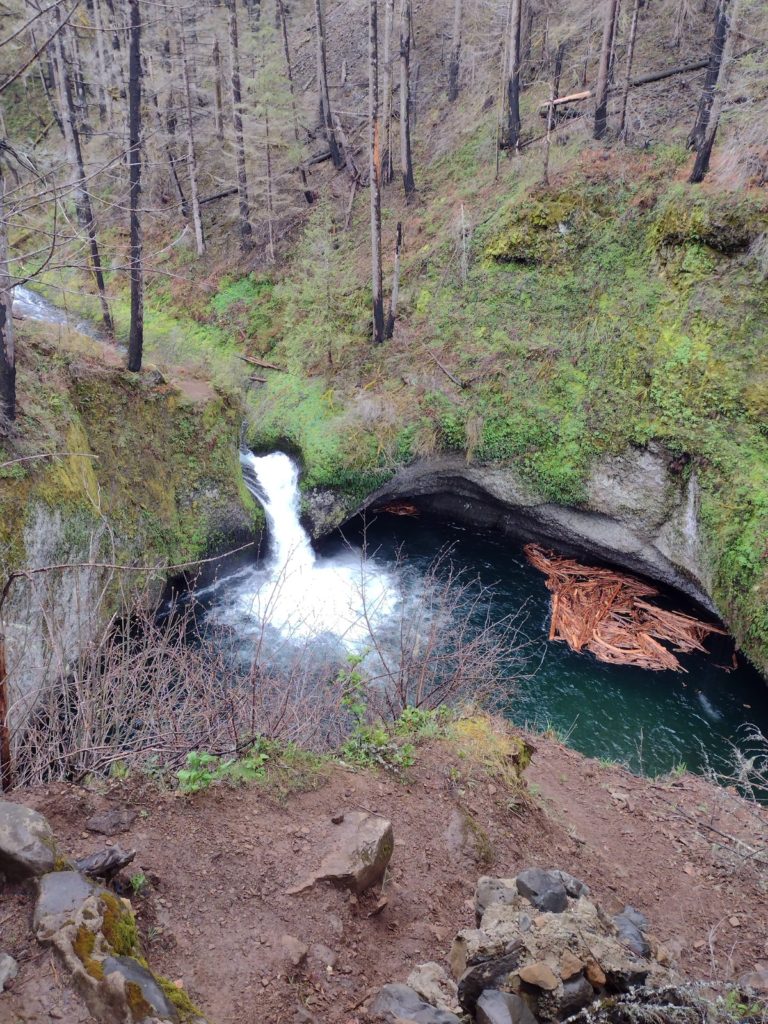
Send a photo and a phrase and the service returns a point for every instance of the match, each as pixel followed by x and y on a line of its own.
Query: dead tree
pixel 136 331
pixel 386 117
pixel 715 103
pixel 454 62
pixel 513 76
pixel 375 173
pixel 719 36
pixel 322 85
pixel 393 298
pixel 244 209
pixel 406 156
pixel 628 80
pixel 197 219
pixel 309 195
pixel 551 112
pixel 218 106
pixel 7 350
pixel 74 149
pixel 604 70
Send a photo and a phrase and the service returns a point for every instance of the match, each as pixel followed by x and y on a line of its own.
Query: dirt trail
pixel 220 864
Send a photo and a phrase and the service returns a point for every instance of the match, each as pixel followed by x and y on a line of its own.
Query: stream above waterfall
pixel 333 598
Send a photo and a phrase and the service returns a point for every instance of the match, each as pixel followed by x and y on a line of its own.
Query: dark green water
pixel 652 721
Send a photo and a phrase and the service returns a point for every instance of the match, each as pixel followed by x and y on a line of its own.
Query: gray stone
pixel 755 981
pixel 544 889
pixel 133 973
pixel 573 886
pixel 494 1007
pixel 494 890
pixel 432 983
pixel 60 897
pixel 631 925
pixel 112 822
pixel 362 846
pixel 27 845
pixel 576 994
pixel 8 970
pixel 487 973
pixel 399 1002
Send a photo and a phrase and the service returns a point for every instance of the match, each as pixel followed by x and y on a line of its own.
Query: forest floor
pixel 219 865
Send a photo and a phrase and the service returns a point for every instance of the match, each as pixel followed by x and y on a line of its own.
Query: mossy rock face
pixel 543 230
pixel 725 225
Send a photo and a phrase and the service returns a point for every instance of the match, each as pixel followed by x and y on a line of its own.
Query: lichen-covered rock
pixel 361 849
pixel 432 983
pixel 402 1003
pixel 27 845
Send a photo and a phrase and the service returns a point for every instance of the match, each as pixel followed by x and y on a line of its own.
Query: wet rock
pixel 544 889
pixel 60 897
pixel 491 973
pixel 362 848
pixel 27 845
pixel 540 975
pixel 8 970
pixel 133 974
pixel 112 822
pixel 401 1003
pixel 631 926
pixel 431 982
pixel 576 994
pixel 494 1007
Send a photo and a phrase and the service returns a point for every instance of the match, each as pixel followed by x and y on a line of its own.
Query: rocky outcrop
pixel 640 512
pixel 27 845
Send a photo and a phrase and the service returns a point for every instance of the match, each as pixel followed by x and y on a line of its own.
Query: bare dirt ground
pixel 220 863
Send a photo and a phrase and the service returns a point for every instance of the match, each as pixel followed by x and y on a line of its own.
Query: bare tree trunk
pixel 270 206
pixel 7 349
pixel 170 155
pixel 6 764
pixel 715 107
pixel 386 118
pixel 83 200
pixel 696 138
pixel 604 70
pixel 406 157
pixel 527 38
pixel 197 219
pixel 105 98
pixel 513 77
pixel 628 79
pixel 246 231
pixel 551 112
pixel 322 84
pixel 454 62
pixel 283 25
pixel 392 315
pixel 375 173
pixel 136 331
pixel 218 106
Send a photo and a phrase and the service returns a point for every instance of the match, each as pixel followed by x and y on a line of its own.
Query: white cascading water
pixel 293 591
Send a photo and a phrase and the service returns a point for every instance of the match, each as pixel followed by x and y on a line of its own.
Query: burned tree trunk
pixel 322 85
pixel 719 37
pixel 628 80
pixel 513 76
pixel 218 106
pixel 386 117
pixel 604 70
pixel 197 219
pixel 246 231
pixel 393 299
pixel 7 350
pixel 406 157
pixel 280 13
pixel 375 173
pixel 715 104
pixel 454 62
pixel 551 112
pixel 136 331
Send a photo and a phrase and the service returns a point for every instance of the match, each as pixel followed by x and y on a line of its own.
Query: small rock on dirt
pixel 544 889
pixel 494 1007
pixel 27 845
pixel 400 1002
pixel 112 822
pixel 755 981
pixel 631 926
pixel 294 949
pixel 8 970
pixel 361 849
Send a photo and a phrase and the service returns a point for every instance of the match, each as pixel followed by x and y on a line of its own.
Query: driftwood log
pixel 607 613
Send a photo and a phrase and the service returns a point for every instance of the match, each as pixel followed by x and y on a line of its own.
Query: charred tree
pixel 406 156
pixel 7 349
pixel 244 209
pixel 218 106
pixel 283 24
pixel 715 105
pixel 136 331
pixel 197 219
pixel 628 80
pixel 322 85
pixel 551 111
pixel 604 70
pixel 386 116
pixel 513 76
pixel 719 37
pixel 454 61
pixel 375 173
pixel 393 299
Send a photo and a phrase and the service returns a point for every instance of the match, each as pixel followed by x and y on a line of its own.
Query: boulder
pixel 494 1007
pixel 27 845
pixel 401 1003
pixel 8 970
pixel 544 889
pixel 136 977
pixel 576 994
pixel 112 822
pixel 432 983
pixel 494 890
pixel 60 897
pixel 361 849
pixel 573 886
pixel 631 926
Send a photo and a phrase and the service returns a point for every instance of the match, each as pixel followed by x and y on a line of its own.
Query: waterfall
pixel 292 591
pixel 274 481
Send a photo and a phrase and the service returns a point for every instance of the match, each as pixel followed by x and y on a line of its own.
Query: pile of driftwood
pixel 607 613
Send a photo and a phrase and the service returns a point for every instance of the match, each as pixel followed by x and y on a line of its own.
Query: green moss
pixel 84 945
pixel 137 1004
pixel 119 927
pixel 180 999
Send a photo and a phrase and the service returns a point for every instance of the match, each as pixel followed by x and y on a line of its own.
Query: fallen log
pixel 447 372
pixel 607 613
pixel 262 362
pixel 219 195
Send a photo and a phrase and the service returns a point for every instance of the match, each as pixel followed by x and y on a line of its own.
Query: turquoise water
pixel 651 721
